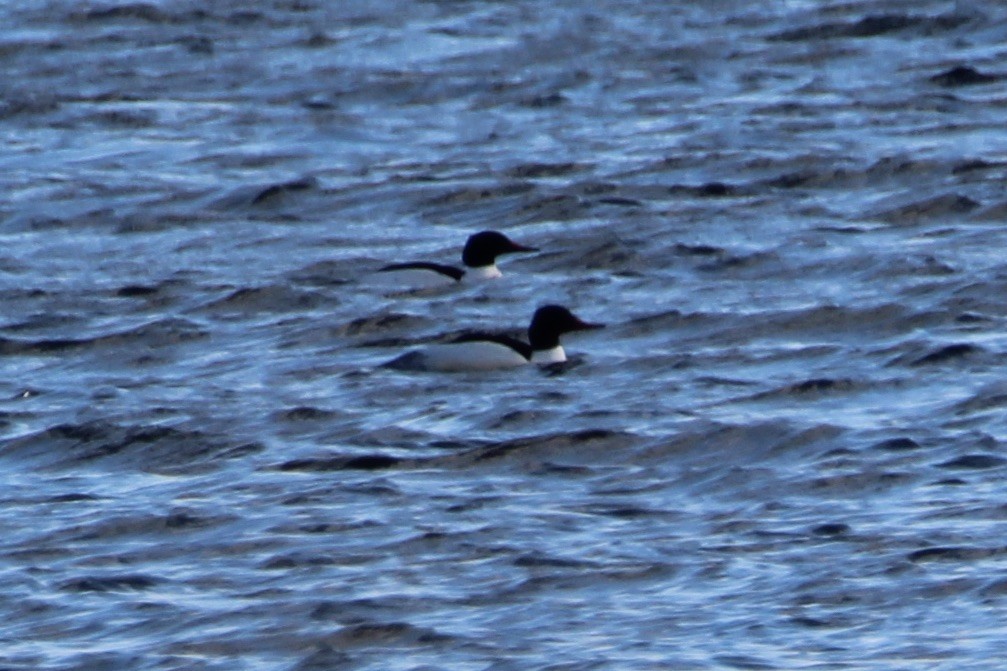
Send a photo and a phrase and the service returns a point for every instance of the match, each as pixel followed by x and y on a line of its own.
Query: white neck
pixel 554 355
pixel 490 272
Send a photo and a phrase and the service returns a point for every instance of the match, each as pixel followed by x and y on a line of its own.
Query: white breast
pixel 483 273
pixel 554 355
pixel 475 355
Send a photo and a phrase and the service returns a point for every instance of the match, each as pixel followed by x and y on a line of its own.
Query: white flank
pixel 554 355
pixel 476 355
pixel 409 279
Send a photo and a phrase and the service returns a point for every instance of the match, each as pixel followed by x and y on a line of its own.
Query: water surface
pixel 785 451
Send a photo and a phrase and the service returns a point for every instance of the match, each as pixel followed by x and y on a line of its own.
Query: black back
pixel 449 271
pixel 522 348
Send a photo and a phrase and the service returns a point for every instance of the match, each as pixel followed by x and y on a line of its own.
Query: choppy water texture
pixel 785 451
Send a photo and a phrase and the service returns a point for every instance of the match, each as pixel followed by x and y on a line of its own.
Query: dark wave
pixel 158 333
pixel 154 449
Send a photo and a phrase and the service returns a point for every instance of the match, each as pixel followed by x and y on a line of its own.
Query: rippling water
pixel 785 451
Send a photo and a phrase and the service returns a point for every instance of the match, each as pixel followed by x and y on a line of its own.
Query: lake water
pixel 785 451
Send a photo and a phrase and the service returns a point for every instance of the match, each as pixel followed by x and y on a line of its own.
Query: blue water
pixel 784 451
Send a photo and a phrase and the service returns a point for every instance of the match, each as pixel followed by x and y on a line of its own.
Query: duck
pixel 487 351
pixel 478 256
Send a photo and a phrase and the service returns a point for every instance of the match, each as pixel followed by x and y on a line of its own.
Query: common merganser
pixel 487 351
pixel 479 256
